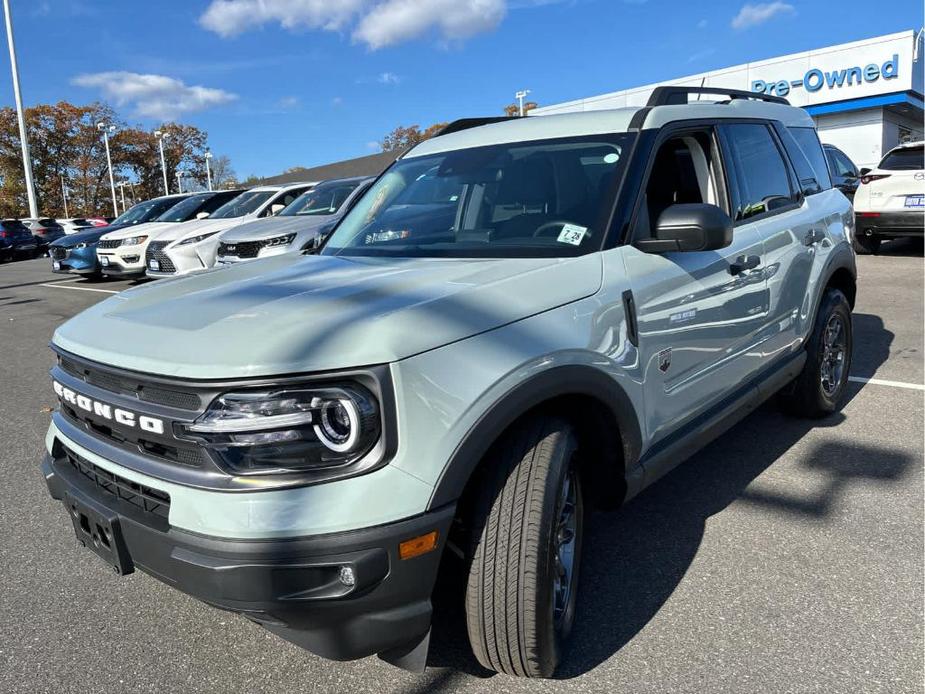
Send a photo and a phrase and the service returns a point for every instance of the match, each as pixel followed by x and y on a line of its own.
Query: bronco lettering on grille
pixel 101 409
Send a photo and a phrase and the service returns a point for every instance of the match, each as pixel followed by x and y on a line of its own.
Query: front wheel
pixel 527 533
pixel 820 388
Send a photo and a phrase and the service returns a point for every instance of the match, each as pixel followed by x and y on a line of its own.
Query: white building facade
pixel 866 96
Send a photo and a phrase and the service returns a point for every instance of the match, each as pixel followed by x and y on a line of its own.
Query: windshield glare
pixel 244 204
pixel 321 200
pixel 546 198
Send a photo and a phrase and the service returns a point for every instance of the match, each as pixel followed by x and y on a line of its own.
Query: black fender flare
pixel 841 258
pixel 573 379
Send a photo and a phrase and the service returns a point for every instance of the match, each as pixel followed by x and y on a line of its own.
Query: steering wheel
pixel 549 225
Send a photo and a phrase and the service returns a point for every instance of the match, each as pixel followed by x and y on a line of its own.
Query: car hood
pixel 274 226
pixel 91 236
pixel 195 227
pixel 297 314
pixel 150 229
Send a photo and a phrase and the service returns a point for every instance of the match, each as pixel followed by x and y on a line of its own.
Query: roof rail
pixel 673 96
pixel 466 123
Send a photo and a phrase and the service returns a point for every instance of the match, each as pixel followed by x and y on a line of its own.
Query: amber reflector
pixel 416 546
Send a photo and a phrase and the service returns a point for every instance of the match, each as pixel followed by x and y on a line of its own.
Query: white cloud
pixel 153 96
pixel 395 21
pixel 288 103
pixel 752 15
pixel 233 17
pixel 388 78
pixel 377 23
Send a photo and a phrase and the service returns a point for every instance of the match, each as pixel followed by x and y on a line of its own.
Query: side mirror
pixel 689 227
pixel 202 215
pixel 276 208
pixel 865 171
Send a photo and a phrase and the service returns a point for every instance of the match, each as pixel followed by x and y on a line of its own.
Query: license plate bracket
pixel 154 264
pixel 101 532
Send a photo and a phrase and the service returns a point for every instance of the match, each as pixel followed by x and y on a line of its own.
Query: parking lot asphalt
pixel 787 556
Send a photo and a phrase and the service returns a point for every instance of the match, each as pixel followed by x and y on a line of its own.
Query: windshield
pixel 906 159
pixel 186 210
pixel 145 211
pixel 321 200
pixel 543 198
pixel 244 204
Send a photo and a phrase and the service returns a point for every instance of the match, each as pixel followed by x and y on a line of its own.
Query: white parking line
pixel 81 289
pixel 883 382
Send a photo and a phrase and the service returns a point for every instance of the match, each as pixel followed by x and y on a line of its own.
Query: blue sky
pixel 280 83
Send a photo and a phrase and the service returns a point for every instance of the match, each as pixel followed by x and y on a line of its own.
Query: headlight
pixel 294 430
pixel 80 245
pixel 196 239
pixel 134 241
pixel 279 241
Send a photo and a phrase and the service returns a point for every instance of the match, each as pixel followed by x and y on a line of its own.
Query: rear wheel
pixel 527 533
pixel 866 245
pixel 820 388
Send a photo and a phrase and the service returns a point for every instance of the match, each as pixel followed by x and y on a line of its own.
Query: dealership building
pixel 865 96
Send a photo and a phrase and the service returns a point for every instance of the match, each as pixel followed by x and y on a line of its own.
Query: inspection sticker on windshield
pixel 572 234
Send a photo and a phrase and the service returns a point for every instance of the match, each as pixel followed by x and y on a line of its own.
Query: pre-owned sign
pixel 814 79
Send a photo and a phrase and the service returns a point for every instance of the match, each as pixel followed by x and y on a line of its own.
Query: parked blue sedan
pixel 76 253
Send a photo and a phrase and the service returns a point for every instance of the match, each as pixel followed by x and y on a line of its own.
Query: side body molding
pixel 558 381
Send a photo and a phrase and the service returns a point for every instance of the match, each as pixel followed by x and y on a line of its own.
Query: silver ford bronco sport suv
pixel 519 321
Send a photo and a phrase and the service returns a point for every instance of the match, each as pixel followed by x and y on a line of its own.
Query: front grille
pixel 131 386
pixel 145 498
pixel 156 252
pixel 109 243
pixel 242 249
pixel 58 253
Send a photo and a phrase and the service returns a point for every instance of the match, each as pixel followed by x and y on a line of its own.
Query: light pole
pixel 208 173
pixel 107 129
pixel 520 96
pixel 64 195
pixel 161 136
pixel 179 184
pixel 20 114
pixel 122 185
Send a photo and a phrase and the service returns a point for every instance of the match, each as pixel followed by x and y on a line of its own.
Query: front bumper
pixel 81 261
pixel 292 587
pixel 889 224
pixel 128 263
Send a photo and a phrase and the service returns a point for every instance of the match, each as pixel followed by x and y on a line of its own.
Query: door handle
pixel 813 236
pixel 743 263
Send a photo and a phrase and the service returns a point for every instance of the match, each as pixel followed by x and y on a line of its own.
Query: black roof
pixel 371 165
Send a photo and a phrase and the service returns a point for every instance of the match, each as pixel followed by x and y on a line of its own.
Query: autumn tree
pixel 404 137
pixel 67 149
pixel 513 110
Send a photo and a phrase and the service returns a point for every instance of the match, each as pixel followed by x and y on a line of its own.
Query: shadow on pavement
pixel 635 558
pixel 872 343
pixel 902 247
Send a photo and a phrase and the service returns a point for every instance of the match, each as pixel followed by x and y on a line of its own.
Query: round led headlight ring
pixel 339 426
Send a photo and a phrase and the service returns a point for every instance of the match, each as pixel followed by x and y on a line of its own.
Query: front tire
pixel 821 386
pixel 527 533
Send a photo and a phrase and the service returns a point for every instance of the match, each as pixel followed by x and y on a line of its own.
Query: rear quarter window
pixel 809 143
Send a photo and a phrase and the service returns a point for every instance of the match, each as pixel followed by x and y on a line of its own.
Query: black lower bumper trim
pixel 899 223
pixel 341 595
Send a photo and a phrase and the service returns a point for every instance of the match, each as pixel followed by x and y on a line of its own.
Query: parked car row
pixel 179 234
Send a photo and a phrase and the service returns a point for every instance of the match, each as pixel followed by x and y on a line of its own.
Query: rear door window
pixel 763 184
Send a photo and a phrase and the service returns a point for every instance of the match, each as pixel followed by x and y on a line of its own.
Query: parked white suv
pixel 192 246
pixel 890 202
pixel 122 252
